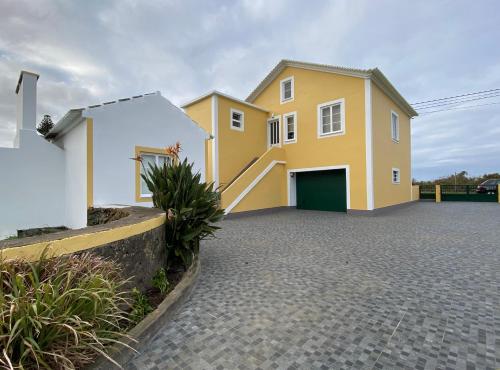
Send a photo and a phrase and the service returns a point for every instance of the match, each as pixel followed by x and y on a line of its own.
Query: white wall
pixel 144 121
pixel 32 190
pixel 75 147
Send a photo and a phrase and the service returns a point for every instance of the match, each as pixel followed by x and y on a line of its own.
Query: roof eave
pixel 304 65
pixel 388 88
pixel 65 124
pixel 215 92
pixel 375 74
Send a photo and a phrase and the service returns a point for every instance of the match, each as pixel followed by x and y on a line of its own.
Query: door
pixel 322 190
pixel 273 127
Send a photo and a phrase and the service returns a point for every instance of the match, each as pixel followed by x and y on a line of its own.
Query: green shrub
pixel 140 306
pixel 59 312
pixel 192 207
pixel 160 281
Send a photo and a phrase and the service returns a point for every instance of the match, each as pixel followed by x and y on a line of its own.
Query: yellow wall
pixel 415 190
pixel 388 154
pixel 313 88
pixel 238 148
pixel 201 113
pixel 268 193
pixel 244 181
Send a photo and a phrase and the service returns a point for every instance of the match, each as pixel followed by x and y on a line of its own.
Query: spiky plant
pixel 192 206
pixel 60 313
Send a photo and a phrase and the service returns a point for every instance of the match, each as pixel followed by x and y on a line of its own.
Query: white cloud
pixel 96 51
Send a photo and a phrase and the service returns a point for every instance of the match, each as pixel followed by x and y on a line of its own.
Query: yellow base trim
pixel 81 242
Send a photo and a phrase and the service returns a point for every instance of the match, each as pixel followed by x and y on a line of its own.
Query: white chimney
pixel 26 102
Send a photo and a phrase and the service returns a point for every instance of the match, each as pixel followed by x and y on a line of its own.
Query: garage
pixel 322 190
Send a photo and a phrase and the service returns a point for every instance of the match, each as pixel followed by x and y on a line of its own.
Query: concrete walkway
pixel 415 288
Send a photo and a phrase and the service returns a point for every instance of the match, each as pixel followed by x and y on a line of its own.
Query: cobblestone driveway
pixel 415 288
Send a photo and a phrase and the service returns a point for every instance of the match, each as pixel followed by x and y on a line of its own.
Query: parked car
pixel 488 186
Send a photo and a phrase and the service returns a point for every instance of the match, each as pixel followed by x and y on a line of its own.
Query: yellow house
pixel 310 136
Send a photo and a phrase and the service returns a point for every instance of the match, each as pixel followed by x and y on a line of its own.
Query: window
pixel 331 119
pixel 237 120
pixel 286 90
pixel 274 131
pixel 290 127
pixel 395 176
pixel 150 159
pixel 395 126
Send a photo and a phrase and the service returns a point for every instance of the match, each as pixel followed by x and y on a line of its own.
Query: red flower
pixel 138 158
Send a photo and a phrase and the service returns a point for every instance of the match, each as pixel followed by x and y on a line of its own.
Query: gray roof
pixel 374 74
pixel 73 116
pixel 215 92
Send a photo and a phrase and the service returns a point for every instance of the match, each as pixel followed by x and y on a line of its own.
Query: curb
pixel 146 330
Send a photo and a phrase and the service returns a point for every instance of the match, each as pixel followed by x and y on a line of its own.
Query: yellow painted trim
pixel 138 151
pixel 438 193
pixel 82 242
pixel 90 162
pixel 498 192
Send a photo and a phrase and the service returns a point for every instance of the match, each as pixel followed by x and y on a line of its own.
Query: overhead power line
pixel 457 102
pixel 456 108
pixel 456 96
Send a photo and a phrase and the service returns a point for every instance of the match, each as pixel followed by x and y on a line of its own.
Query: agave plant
pixel 60 313
pixel 192 206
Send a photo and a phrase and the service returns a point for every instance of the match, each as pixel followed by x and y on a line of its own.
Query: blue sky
pixel 93 51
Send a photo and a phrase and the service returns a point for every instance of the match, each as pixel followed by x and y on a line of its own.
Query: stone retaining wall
pixel 136 241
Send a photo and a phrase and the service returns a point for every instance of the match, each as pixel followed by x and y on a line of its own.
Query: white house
pixel 87 159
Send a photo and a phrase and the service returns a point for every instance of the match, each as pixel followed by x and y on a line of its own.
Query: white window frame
pixel 398 180
pixel 146 167
pixel 395 135
pixel 282 90
pixel 242 122
pixel 269 120
pixel 342 118
pixel 285 128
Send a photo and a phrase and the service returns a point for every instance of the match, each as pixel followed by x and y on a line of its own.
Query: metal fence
pixel 427 191
pixel 467 193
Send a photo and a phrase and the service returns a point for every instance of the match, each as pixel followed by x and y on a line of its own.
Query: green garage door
pixel 322 190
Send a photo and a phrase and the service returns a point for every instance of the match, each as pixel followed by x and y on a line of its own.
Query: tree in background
pixel 459 178
pixel 45 125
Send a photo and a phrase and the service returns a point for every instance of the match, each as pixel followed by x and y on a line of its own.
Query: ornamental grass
pixel 60 313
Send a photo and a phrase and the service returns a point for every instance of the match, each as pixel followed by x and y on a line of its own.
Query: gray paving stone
pixel 417 288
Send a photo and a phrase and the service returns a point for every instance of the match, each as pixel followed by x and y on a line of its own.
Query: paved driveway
pixel 415 288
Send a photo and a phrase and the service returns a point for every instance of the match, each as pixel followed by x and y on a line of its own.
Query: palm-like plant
pixel 192 206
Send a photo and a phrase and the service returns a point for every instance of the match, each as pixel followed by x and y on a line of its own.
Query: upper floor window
pixel 286 90
pixel 395 176
pixel 331 118
pixel 290 129
pixel 395 126
pixel 237 120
